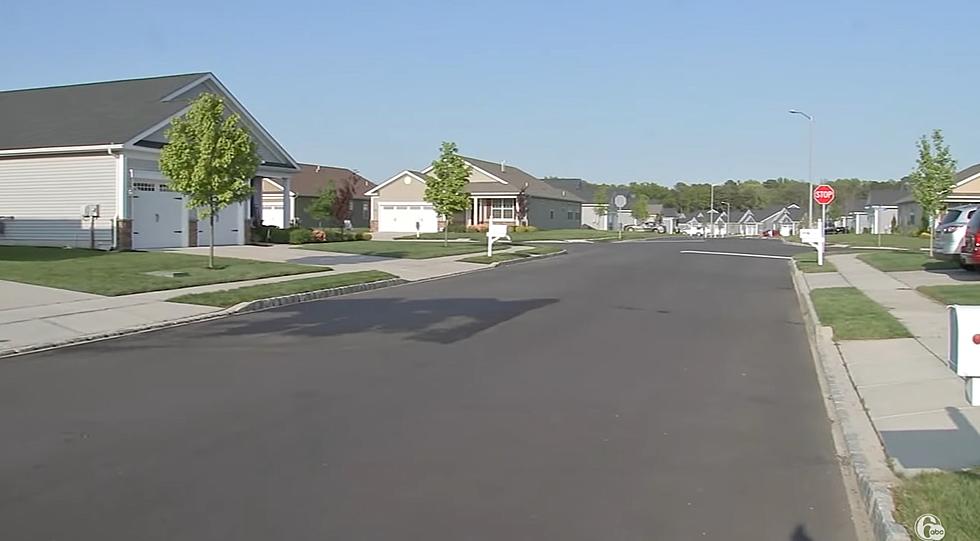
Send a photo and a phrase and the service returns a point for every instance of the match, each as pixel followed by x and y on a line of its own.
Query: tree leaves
pixel 445 186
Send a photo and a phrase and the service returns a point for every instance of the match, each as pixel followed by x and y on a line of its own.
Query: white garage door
pixel 402 217
pixel 228 227
pixel 158 216
pixel 272 215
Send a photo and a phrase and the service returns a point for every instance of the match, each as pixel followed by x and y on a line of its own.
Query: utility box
pixel 90 211
pixel 964 348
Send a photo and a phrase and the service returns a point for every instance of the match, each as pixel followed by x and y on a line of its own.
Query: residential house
pixel 669 218
pixel 965 191
pixel 881 208
pixel 79 163
pixel 496 191
pixel 744 224
pixel 305 188
pixel 710 222
pixel 782 219
pixel 594 215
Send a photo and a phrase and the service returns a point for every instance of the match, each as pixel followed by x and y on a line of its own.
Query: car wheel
pixel 628 228
pixel 967 266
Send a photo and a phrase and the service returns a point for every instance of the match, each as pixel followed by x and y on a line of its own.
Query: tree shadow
pixel 799 534
pixel 441 321
pixel 45 253
pixel 960 275
pixel 333 259
pixel 953 449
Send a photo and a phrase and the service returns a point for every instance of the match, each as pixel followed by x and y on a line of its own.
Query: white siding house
pixel 96 146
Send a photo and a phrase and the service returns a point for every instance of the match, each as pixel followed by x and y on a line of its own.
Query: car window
pixel 970 215
pixel 974 221
pixel 950 216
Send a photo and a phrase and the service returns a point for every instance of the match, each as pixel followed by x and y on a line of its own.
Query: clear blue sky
pixel 609 91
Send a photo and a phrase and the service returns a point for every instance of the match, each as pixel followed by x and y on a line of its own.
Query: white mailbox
pixel 495 232
pixel 964 348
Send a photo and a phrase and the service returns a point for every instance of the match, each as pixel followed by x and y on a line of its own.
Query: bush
pixel 364 236
pixel 319 235
pixel 334 235
pixel 457 228
pixel 349 236
pixel 300 236
pixel 278 236
pixel 479 228
pixel 523 229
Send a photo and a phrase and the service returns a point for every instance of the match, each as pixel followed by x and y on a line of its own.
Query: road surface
pixel 621 392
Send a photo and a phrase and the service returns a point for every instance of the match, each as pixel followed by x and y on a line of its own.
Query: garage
pixel 159 216
pixel 407 217
pixel 229 226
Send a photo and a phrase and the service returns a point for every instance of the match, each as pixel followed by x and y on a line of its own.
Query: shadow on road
pixel 959 275
pixel 442 321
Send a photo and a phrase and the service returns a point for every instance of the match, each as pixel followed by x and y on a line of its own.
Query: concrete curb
pixel 854 434
pixel 526 259
pixel 244 307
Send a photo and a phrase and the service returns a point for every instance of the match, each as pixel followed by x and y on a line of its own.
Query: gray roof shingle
pixel 110 112
pixel 516 178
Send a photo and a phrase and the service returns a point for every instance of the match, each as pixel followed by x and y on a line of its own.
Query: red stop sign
pixel 824 194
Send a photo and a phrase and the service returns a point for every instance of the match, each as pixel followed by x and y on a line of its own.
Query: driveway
pixel 622 392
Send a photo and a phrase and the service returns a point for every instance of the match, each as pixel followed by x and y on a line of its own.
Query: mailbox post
pixel 815 237
pixel 964 348
pixel 495 232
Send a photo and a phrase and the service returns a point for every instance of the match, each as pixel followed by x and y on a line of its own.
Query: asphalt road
pixel 621 392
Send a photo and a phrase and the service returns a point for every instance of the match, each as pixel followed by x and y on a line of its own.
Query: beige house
pixel 966 190
pixel 496 193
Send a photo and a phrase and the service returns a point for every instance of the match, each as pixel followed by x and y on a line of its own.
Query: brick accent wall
pixel 192 232
pixel 124 234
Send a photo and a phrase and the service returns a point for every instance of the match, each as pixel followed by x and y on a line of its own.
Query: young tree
pixel 341 205
pixel 601 200
pixel 639 209
pixel 933 178
pixel 322 207
pixel 445 187
pixel 209 158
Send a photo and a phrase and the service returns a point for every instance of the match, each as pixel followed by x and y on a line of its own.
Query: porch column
pixel 287 211
pixel 473 209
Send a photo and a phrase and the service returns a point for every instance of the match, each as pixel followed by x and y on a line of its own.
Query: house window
pixel 350 205
pixel 551 214
pixel 365 212
pixel 570 215
pixel 502 209
pixel 144 187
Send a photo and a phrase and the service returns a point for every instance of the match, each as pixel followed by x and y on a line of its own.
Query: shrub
pixel 479 228
pixel 349 236
pixel 300 236
pixel 457 228
pixel 334 235
pixel 523 229
pixel 364 236
pixel 319 235
pixel 278 236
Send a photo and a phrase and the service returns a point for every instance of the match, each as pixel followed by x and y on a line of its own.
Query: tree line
pixel 755 194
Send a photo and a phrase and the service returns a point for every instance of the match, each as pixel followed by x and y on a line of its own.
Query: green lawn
pixel 503 256
pixel 397 248
pixel 854 316
pixel 964 294
pixel 893 241
pixel 807 262
pixel 951 496
pixel 121 273
pixel 905 261
pixel 231 297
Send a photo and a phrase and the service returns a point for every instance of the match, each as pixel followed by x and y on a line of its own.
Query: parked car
pixel 834 230
pixel 646 226
pixel 771 233
pixel 969 240
pixel 948 242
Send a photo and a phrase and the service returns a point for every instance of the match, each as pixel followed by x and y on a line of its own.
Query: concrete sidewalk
pixel 916 403
pixel 32 316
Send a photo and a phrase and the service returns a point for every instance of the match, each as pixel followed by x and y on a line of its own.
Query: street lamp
pixel 809 166
pixel 728 215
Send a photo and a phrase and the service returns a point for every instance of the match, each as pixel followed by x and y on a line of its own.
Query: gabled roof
pixel 884 197
pixel 313 178
pixel 968 174
pixel 111 113
pixel 416 174
pixel 518 178
pixel 582 189
pixel 104 113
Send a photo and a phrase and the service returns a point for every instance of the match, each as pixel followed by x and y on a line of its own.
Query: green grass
pixel 121 273
pixel 495 258
pixel 867 240
pixel 231 297
pixel 905 261
pixel 397 248
pixel 440 236
pixel 951 496
pixel 965 294
pixel 807 262
pixel 854 316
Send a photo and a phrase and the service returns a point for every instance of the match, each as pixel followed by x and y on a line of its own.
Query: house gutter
pixel 59 150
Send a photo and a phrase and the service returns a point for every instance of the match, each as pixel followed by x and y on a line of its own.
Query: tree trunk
pixel 211 251
pixel 932 233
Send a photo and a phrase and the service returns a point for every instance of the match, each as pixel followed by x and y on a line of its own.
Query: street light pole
pixel 728 215
pixel 809 164
pixel 711 210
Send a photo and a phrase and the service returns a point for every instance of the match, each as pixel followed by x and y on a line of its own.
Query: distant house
pixel 669 217
pixel 306 186
pixel 881 208
pixel 784 220
pixel 594 216
pixel 496 191
pixel 744 224
pixel 966 190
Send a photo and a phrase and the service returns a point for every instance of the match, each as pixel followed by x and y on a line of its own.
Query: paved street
pixel 621 392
